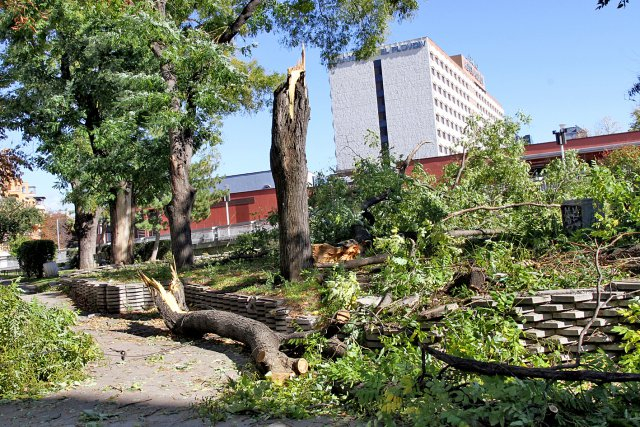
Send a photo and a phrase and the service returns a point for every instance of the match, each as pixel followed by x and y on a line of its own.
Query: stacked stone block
pixel 120 298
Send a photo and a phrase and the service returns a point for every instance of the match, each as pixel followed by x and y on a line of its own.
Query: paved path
pixel 145 379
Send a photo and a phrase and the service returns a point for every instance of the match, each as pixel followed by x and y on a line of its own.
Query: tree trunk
pixel 121 224
pixel 291 114
pixel 178 210
pixel 156 246
pixel 86 229
pixel 183 195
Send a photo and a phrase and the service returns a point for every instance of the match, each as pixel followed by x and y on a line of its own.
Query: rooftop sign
pixel 386 50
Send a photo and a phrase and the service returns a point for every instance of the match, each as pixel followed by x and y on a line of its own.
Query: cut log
pixel 263 343
pixel 356 263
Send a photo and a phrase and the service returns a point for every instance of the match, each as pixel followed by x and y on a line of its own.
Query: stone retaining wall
pixel 547 318
pixel 104 297
pixel 556 317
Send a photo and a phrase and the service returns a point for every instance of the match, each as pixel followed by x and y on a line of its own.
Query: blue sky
pixel 558 61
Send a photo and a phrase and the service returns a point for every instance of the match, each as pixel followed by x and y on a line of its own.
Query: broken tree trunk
pixel 288 157
pixel 263 343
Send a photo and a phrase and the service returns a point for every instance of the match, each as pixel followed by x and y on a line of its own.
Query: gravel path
pixel 145 379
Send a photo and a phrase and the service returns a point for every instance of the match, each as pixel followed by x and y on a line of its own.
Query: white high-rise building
pixel 410 92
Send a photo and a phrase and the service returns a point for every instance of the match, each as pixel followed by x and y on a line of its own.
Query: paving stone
pixel 561 339
pixel 536 349
pixel 610 295
pixel 522 310
pixel 600 338
pixel 621 303
pixel 567 298
pixel 585 347
pixel 597 322
pixel 571 314
pixel 553 324
pixel 591 305
pixel 627 285
pixel 553 308
pixel 537 317
pixel 537 333
pixel 609 312
pixel 571 331
pixel 612 347
pixel 533 300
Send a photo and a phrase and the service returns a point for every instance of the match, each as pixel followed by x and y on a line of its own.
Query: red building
pixel 539 155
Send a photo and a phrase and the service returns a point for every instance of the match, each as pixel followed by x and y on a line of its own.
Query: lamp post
pixel 561 139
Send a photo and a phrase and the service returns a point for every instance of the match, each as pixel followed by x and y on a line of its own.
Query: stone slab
pixel 571 298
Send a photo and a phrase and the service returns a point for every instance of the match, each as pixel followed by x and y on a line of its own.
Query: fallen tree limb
pixel 475 233
pixel 263 343
pixel 355 263
pixel 503 369
pixel 497 208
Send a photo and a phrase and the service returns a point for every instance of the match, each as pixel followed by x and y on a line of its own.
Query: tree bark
pixel 156 246
pixel 86 230
pixel 121 224
pixel 183 195
pixel 291 114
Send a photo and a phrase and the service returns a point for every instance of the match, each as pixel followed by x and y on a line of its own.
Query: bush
pixel 33 253
pixel 38 350
pixel 142 251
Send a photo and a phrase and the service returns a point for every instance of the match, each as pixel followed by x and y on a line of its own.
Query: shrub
pixel 33 253
pixel 142 251
pixel 38 350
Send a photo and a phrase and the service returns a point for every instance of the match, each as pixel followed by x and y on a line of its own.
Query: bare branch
pixel 498 208
pixel 462 166
pixel 503 369
pixel 402 167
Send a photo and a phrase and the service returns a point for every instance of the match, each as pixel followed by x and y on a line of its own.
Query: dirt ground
pixel 146 378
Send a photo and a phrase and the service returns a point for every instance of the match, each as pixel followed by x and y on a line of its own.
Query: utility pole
pixel 561 139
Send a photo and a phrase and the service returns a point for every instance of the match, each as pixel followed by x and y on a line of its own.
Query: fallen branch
pixel 475 233
pixel 355 263
pixel 503 369
pixel 498 208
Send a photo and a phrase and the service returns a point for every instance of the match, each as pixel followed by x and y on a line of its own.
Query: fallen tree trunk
pixel 263 343
pixel 495 369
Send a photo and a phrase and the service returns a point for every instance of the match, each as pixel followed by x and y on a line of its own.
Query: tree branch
pixel 402 167
pixel 244 16
pixel 498 208
pixel 503 369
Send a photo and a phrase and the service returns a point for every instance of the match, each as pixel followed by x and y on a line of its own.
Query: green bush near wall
pixel 33 254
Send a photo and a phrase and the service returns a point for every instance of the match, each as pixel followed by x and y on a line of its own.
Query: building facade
pixel 409 93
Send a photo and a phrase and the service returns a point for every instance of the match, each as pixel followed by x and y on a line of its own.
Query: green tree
pixel 192 43
pixel 74 82
pixel 17 218
pixel 635 124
